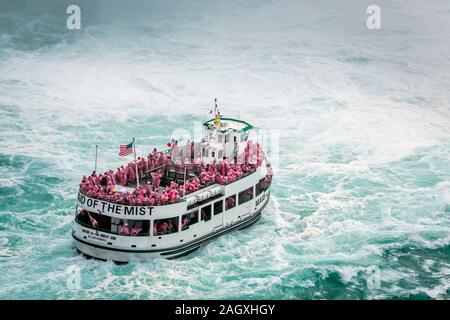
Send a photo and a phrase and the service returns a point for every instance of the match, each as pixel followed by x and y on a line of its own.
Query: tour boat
pixel 172 202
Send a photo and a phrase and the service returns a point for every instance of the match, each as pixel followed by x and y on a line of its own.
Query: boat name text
pixel 260 200
pixel 119 209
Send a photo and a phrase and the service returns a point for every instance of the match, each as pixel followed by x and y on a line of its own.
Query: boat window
pixel 165 226
pixel 189 219
pixel 218 207
pixel 220 138
pixel 246 195
pixel 203 152
pixel 206 213
pixel 113 225
pixel 261 186
pixel 126 227
pixel 200 203
pixel 213 154
pixel 227 138
pixel 94 220
pixel 230 202
pixel 220 154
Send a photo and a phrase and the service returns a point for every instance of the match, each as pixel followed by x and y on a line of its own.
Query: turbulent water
pixel 360 206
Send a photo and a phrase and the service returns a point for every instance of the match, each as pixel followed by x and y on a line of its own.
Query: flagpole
pixel 96 148
pixel 184 180
pixel 135 162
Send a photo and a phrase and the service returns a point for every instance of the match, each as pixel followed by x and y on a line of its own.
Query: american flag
pixel 126 149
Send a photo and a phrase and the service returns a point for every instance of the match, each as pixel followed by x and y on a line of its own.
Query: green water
pixel 360 201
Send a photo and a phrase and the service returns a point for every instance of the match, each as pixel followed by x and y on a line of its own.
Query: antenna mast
pixel 216 114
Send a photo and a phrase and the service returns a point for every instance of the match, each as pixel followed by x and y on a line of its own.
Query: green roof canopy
pixel 246 127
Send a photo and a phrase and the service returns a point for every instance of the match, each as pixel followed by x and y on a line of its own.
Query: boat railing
pixel 134 205
pixel 183 196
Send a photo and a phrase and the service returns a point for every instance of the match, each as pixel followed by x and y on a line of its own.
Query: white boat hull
pixel 101 251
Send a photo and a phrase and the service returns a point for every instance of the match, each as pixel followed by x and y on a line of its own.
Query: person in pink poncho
pixel 156 179
pixel 173 195
pixel 131 173
pixel 93 221
pixel 135 231
pixel 140 166
pixel 123 173
pixel 185 222
pixel 164 197
pixel 124 229
pixel 154 153
pixel 139 201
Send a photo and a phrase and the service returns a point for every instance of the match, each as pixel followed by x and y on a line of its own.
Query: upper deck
pixel 194 199
pixel 224 155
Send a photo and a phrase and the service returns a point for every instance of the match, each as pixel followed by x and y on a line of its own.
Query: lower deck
pixel 93 243
pixel 199 220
